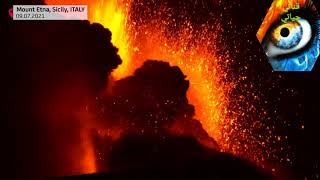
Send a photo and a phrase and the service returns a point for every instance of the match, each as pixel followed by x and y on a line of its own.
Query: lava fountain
pixel 141 33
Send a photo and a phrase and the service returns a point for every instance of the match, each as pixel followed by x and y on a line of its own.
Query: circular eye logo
pixel 290 35
pixel 287 35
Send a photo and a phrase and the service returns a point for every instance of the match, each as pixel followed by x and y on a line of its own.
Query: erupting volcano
pixel 188 35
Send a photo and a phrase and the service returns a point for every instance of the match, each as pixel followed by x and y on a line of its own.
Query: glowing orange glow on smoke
pixel 206 92
pixel 192 49
pixel 200 63
pixel 113 15
pixel 277 8
pixel 88 161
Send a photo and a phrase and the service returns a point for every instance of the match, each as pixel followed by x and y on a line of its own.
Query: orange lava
pixel 191 48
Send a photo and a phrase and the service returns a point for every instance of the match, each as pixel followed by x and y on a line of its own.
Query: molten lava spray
pixel 149 30
pixel 141 34
pixel 191 48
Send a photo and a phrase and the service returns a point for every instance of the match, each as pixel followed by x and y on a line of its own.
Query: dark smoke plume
pixel 49 70
pixel 153 100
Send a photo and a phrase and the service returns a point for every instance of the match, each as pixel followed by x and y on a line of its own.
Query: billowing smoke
pixel 50 71
pixel 156 132
pixel 152 101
